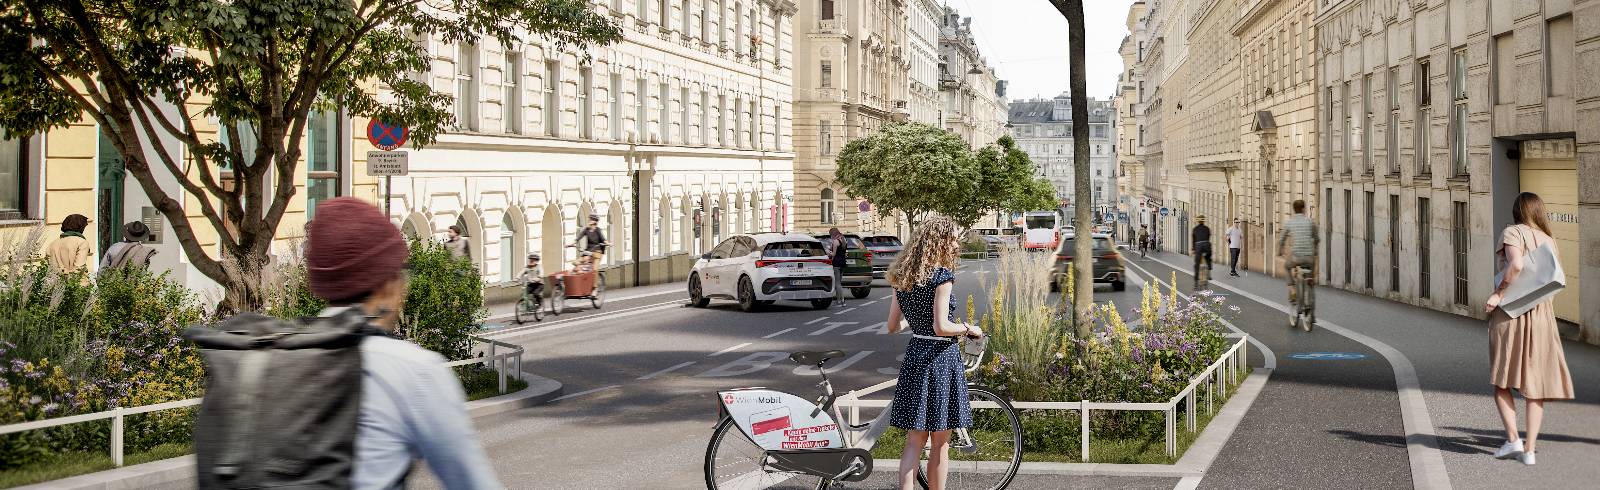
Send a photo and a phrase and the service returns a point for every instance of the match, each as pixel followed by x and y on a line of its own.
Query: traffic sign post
pixel 388 163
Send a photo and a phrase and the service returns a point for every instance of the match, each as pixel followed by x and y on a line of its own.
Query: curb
pixel 1195 460
pixel 158 474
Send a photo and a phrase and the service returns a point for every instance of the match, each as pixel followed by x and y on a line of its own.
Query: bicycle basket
pixel 972 352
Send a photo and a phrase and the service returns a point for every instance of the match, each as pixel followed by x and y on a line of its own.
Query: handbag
pixel 1541 278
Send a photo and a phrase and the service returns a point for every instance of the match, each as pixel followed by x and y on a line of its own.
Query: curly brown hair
pixel 935 244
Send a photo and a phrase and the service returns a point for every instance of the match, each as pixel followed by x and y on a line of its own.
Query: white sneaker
pixel 1528 459
pixel 1509 449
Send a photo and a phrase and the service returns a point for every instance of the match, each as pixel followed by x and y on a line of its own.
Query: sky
pixel 1026 42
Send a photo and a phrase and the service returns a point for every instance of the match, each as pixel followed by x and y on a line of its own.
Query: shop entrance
pixel 1549 168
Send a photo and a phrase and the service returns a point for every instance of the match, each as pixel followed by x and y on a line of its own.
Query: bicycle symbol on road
pixel 1327 356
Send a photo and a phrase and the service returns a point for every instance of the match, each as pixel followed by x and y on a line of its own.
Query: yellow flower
pixel 1158 374
pixel 1174 284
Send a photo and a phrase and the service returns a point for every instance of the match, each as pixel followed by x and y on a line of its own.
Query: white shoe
pixel 1528 459
pixel 1509 449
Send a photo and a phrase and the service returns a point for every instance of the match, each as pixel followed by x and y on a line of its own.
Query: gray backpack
pixel 282 401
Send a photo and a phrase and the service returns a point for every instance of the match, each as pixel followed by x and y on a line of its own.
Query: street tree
pixel 159 78
pixel 1007 181
pixel 913 169
pixel 1082 197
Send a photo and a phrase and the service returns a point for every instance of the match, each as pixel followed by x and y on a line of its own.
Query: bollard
pixel 116 437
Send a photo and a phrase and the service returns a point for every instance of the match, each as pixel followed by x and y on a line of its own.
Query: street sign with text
pixel 388 163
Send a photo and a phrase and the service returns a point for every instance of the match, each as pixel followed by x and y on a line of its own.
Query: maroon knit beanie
pixel 351 250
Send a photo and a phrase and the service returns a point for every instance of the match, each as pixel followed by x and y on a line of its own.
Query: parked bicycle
pixel 1305 300
pixel 771 439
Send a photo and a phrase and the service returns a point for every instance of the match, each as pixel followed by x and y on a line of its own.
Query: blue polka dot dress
pixel 932 392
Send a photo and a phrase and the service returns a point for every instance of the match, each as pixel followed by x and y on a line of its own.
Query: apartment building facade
pixel 974 95
pixel 1277 124
pixel 1129 172
pixel 851 65
pixel 925 103
pixel 1043 129
pixel 1436 115
pixel 675 137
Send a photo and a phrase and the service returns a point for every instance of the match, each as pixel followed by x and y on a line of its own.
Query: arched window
pixel 513 237
pixel 616 237
pixel 827 207
pixel 663 228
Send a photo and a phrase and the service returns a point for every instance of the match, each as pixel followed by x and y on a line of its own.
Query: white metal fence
pixel 492 356
pixel 1217 379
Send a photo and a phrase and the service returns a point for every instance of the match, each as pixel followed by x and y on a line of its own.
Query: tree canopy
pixel 916 169
pixel 168 68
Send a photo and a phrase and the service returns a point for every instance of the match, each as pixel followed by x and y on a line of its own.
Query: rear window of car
pixel 1099 244
pixel 791 250
pixel 853 242
pixel 882 241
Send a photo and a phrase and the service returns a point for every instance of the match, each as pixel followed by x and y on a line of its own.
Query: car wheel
pixel 859 293
pixel 697 297
pixel 1119 286
pixel 822 304
pixel 747 295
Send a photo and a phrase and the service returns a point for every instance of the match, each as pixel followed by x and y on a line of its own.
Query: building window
pixel 586 103
pixel 641 103
pixel 14 158
pixel 1458 114
pixel 644 10
pixel 666 112
pixel 705 117
pixel 467 87
pixel 324 154
pixel 1394 243
pixel 1347 135
pixel 1366 123
pixel 827 206
pixel 683 11
pixel 1327 231
pixel 552 98
pixel 1371 229
pixel 1349 229
pixel 508 249
pixel 666 15
pixel 1459 243
pixel 1328 152
pixel 755 131
pixel 683 115
pixel 615 118
pixel 827 74
pixel 1424 236
pixel 1394 120
pixel 511 99
pixel 722 120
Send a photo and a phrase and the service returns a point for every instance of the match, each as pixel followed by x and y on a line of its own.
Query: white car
pixel 758 269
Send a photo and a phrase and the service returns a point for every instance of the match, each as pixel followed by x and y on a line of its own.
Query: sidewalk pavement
pixel 1451 356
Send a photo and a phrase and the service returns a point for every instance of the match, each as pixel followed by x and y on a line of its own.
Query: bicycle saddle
pixel 816 358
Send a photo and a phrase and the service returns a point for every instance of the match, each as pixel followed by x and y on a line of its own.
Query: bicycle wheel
pixel 994 454
pixel 733 461
pixel 521 309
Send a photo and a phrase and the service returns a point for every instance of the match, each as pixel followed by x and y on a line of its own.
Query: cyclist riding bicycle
pixel 594 242
pixel 1201 237
pixel 533 277
pixel 1300 236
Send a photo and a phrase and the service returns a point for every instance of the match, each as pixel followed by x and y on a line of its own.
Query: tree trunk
pixel 1083 196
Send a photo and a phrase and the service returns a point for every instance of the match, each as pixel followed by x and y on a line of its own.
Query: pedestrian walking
pixel 837 254
pixel 930 398
pixel 1201 237
pixel 71 252
pixel 459 246
pixel 1235 242
pixel 334 401
pixel 1524 351
pixel 131 251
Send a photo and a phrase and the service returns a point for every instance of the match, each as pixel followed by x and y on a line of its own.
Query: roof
pixel 774 237
pixel 1031 111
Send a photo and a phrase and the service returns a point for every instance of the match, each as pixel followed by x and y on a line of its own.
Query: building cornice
pixel 1257 9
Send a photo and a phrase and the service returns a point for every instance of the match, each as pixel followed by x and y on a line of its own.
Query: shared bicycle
pixel 771 439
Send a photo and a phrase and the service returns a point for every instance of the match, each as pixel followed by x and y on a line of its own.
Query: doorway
pixel 1549 168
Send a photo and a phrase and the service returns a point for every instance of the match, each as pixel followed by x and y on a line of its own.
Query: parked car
pixel 884 248
pixel 857 266
pixel 757 270
pixel 1108 268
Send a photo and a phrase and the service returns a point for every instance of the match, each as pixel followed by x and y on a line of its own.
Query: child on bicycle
pixel 533 277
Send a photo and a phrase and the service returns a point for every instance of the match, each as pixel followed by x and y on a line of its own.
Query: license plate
pixel 800 282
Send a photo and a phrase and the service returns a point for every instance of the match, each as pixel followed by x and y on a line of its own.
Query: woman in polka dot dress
pixel 931 397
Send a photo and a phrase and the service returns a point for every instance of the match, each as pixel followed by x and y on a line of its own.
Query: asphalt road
pixel 640 387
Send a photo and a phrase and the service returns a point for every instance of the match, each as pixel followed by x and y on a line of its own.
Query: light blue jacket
pixel 413 407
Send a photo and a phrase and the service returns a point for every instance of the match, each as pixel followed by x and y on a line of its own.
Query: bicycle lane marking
pixel 665 371
pixel 730 349
pixel 586 392
pixel 1269 359
pixel 777 333
pixel 1427 463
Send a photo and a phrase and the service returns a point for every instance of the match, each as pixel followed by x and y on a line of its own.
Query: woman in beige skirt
pixel 1524 352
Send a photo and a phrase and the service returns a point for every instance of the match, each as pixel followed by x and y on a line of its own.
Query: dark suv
pixel 1107 262
pixel 857 267
pixel 884 248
